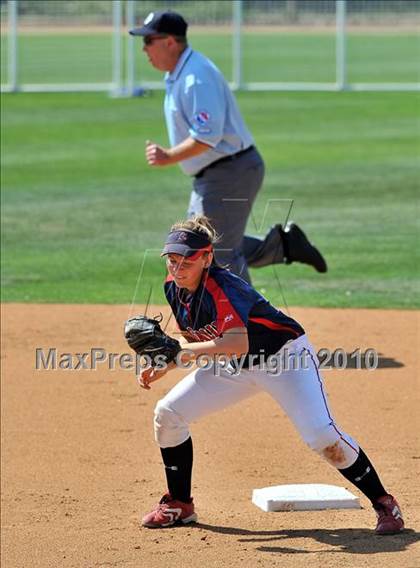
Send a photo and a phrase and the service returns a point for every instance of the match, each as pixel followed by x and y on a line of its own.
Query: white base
pixel 304 497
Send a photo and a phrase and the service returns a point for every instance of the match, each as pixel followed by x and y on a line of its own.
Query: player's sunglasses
pixel 148 40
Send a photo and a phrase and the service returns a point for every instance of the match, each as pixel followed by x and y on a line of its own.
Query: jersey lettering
pixel 205 333
pixel 224 302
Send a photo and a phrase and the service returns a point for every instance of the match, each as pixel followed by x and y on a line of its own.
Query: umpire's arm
pixel 158 156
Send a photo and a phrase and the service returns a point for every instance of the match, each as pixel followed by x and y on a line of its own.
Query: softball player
pixel 219 313
pixel 212 144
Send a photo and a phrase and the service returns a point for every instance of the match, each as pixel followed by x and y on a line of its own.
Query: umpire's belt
pixel 229 158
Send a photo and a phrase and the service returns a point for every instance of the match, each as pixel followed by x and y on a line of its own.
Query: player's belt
pixel 229 158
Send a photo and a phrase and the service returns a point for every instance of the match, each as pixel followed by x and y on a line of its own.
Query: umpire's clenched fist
pixel 156 155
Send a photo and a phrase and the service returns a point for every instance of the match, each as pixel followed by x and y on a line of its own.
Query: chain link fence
pixel 258 44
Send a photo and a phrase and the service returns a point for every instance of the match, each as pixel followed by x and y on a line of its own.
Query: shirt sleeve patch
pixel 201 122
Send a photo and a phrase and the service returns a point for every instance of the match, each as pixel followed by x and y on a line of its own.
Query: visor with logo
pixel 186 243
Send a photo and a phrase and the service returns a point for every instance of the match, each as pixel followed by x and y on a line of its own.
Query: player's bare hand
pixel 150 375
pixel 156 155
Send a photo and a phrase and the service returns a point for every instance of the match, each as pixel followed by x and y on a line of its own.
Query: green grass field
pixel 80 206
pixel 294 57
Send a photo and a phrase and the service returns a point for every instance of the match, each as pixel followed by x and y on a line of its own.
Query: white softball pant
pixel 299 392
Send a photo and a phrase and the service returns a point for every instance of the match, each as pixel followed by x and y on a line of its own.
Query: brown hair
pixel 182 40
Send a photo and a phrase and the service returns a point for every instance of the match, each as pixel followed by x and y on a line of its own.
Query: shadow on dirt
pixel 349 360
pixel 352 541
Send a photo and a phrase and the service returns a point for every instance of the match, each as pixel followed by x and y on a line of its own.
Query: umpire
pixel 210 141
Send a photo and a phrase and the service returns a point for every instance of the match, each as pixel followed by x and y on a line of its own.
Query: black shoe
pixel 297 248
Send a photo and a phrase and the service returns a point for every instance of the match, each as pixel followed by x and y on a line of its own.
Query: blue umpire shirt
pixel 199 104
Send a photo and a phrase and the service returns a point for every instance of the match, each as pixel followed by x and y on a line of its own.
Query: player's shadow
pixel 352 362
pixel 351 541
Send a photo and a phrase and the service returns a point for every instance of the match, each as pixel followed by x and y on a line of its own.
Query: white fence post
pixel 123 64
pixel 130 61
pixel 117 85
pixel 341 54
pixel 237 51
pixel 12 46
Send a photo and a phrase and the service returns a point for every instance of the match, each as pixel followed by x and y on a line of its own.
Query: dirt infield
pixel 79 464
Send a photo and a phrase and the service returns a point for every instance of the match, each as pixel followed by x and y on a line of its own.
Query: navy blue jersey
pixel 224 301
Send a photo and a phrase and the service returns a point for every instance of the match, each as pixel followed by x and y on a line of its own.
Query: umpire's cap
pixel 169 23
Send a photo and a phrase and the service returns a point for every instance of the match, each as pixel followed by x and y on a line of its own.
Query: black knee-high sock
pixel 363 475
pixel 178 468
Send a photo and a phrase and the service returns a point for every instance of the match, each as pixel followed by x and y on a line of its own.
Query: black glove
pixel 145 336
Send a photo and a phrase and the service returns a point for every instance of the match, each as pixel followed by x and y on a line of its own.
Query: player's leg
pixel 300 392
pixel 283 245
pixel 199 394
pixel 226 194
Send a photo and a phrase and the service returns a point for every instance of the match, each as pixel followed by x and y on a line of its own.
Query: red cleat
pixel 389 515
pixel 170 512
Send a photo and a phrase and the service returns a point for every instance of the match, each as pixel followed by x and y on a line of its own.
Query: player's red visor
pixel 186 243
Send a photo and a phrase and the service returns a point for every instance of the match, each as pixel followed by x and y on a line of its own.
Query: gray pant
pixel 225 193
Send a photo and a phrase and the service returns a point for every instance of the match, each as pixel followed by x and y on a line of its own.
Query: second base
pixel 304 497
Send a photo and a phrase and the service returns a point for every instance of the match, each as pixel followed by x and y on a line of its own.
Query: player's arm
pixel 232 342
pixel 185 338
pixel 158 156
pixel 151 374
